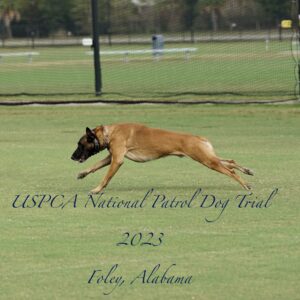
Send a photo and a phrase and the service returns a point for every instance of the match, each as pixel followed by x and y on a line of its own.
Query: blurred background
pixel 150 49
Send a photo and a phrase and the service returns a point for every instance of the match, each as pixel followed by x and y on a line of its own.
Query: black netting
pixel 151 49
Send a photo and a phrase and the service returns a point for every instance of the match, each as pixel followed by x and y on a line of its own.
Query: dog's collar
pixel 97 145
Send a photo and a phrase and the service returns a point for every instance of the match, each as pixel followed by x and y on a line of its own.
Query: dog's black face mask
pixel 88 146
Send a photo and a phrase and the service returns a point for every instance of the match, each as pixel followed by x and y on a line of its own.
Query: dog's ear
pixel 90 133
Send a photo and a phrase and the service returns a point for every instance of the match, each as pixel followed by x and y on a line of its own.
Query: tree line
pixel 43 18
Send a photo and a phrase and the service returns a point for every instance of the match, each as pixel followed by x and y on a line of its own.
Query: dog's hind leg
pixel 101 164
pixel 217 165
pixel 231 164
pixel 203 152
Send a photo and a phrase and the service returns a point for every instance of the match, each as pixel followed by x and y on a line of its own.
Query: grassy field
pixel 248 253
pixel 216 71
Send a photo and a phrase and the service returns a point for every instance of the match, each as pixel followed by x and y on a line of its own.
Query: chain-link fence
pixel 151 49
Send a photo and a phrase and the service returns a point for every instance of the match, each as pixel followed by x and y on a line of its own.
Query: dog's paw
pixel 82 174
pixel 247 187
pixel 96 190
pixel 249 172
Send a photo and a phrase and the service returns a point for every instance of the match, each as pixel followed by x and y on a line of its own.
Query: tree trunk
pixel 7 28
pixel 214 19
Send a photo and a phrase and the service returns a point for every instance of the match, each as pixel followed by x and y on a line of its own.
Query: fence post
pixel 96 48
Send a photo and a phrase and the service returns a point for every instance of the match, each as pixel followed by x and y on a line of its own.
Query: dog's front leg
pixel 101 164
pixel 116 163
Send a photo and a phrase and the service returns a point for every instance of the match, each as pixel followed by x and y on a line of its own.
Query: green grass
pixel 247 254
pixel 217 71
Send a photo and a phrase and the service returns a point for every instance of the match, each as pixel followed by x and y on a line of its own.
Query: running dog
pixel 140 143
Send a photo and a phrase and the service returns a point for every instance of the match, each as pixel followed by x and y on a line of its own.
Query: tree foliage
pixel 275 9
pixel 44 17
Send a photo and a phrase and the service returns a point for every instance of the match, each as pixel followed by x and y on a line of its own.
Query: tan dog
pixel 140 143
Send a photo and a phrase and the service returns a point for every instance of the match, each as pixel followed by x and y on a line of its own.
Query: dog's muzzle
pixel 81 160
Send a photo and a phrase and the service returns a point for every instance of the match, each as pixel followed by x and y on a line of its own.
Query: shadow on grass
pixel 169 188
